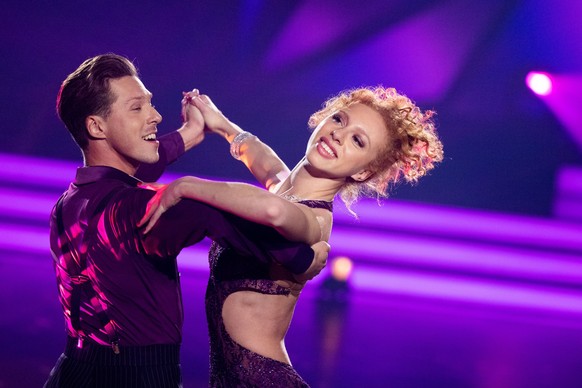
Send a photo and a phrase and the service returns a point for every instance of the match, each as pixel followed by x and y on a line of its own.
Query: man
pixel 120 288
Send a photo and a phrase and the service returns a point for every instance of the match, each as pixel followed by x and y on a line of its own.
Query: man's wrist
pixel 190 137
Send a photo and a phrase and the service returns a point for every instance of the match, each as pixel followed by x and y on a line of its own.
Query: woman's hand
pixel 166 196
pixel 214 119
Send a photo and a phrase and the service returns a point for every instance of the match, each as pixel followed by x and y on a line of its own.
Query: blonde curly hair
pixel 412 149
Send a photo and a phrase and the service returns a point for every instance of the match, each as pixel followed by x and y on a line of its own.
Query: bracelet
pixel 236 143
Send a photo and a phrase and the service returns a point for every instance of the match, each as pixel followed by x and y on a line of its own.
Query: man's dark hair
pixel 86 92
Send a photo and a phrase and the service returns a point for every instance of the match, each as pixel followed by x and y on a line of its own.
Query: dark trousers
pixel 97 366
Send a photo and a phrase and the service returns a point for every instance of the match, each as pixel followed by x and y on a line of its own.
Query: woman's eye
pixel 358 141
pixel 337 118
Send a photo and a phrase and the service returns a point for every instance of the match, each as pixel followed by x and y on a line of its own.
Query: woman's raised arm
pixel 260 159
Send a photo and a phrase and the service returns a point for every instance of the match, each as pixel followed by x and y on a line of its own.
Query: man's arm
pixel 175 144
pixel 188 222
pixel 171 148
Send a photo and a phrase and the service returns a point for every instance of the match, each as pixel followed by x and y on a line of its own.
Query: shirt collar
pixel 93 174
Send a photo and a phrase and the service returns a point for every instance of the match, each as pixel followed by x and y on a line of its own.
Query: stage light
pixel 341 268
pixel 335 286
pixel 539 83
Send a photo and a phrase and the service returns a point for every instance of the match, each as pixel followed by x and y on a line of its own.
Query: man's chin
pixel 146 159
pixel 152 159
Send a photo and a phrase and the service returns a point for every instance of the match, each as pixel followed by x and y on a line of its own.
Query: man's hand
pixel 321 250
pixel 192 129
pixel 166 196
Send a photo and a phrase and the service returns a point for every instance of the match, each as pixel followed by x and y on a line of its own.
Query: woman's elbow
pixel 274 214
pixel 288 224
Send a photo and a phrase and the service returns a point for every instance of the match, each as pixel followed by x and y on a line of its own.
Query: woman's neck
pixel 301 184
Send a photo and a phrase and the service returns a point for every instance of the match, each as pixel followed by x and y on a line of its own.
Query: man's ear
pixel 94 125
pixel 362 175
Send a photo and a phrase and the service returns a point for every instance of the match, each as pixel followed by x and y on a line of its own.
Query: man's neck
pixel 91 159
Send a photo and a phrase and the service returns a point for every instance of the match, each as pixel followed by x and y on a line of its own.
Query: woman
pixel 363 140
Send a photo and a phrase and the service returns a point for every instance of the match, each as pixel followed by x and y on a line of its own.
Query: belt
pixel 93 353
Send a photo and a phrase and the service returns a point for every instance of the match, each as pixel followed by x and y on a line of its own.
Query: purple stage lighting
pixel 539 83
pixel 400 248
pixel 562 94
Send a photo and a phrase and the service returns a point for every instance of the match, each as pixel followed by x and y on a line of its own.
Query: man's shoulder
pixel 112 194
pixel 135 195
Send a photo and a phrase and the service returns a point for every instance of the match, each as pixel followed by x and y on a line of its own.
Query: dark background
pixel 269 64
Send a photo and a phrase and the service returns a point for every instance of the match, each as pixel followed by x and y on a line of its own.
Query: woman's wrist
pixel 231 130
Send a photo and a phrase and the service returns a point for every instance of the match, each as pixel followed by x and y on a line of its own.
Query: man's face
pixel 131 126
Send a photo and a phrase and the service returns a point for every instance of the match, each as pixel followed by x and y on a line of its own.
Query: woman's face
pixel 346 142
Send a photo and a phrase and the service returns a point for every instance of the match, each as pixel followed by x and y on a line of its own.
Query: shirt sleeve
pixel 190 221
pixel 170 149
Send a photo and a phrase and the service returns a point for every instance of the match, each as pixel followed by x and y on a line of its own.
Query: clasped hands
pixel 201 115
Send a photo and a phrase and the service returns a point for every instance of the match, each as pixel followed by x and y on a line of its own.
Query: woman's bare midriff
pixel 259 322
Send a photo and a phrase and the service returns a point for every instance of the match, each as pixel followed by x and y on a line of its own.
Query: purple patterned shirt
pixel 133 279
